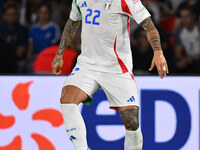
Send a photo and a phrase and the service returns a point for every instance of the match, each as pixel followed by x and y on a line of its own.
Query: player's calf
pixel 133 138
pixel 74 123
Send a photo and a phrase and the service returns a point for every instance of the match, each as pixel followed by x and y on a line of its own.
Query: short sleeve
pixel 75 13
pixel 135 9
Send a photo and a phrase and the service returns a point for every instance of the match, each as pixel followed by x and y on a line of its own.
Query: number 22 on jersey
pixel 89 19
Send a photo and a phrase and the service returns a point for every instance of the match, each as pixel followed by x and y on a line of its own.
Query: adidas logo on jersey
pixel 84 4
pixel 132 99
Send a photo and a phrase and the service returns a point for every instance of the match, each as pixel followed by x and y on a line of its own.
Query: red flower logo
pixel 21 99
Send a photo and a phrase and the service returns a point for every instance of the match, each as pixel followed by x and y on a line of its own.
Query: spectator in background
pixel 14 38
pixel 142 53
pixel 154 8
pixel 168 7
pixel 43 34
pixel 57 16
pixel 141 49
pixel 67 7
pixel 194 4
pixel 172 4
pixel 31 11
pixel 166 45
pixel 187 40
pixel 1 3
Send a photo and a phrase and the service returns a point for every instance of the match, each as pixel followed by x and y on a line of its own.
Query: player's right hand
pixel 57 65
pixel 160 62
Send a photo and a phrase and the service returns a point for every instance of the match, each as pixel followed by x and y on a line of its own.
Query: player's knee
pixel 66 99
pixel 130 119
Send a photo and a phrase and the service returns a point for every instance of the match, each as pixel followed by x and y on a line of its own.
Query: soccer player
pixel 105 62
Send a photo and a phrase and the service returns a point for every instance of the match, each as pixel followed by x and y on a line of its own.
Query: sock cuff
pixel 133 132
pixel 133 140
pixel 82 148
pixel 69 107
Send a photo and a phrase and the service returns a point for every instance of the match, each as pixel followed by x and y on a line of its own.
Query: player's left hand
pixel 160 62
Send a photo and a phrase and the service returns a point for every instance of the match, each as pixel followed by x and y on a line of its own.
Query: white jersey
pixel 191 42
pixel 105 38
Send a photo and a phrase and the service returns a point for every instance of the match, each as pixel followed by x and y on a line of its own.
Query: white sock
pixel 74 126
pixel 133 140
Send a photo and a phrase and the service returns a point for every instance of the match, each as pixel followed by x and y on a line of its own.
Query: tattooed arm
pixel 154 39
pixel 68 35
pixel 152 34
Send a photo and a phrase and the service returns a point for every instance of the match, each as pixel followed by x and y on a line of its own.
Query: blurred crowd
pixel 30 27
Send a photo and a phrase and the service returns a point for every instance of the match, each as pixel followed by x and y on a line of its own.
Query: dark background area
pixel 30 29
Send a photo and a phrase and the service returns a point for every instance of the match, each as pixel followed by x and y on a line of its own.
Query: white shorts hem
pixel 66 84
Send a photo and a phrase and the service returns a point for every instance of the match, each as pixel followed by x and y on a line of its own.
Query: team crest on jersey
pixel 108 4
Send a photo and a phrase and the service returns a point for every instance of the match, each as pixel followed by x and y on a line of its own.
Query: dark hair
pixel 48 6
pixel 186 7
pixel 9 6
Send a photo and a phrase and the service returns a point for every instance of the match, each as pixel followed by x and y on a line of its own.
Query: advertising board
pixel 31 119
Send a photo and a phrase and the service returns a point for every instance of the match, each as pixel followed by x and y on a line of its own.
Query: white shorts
pixel 120 88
